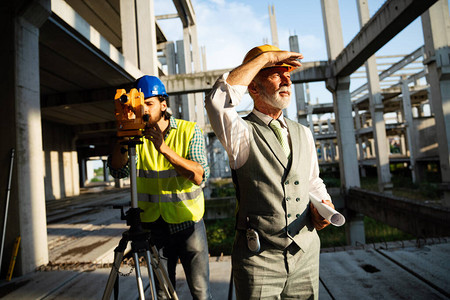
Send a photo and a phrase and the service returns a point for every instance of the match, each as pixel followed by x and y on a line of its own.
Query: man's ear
pixel 164 105
pixel 252 88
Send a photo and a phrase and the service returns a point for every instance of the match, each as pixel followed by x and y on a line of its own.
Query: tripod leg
pixel 161 274
pixel 139 277
pixel 150 275
pixel 112 275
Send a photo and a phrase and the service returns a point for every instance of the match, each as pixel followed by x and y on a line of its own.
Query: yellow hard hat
pixel 265 48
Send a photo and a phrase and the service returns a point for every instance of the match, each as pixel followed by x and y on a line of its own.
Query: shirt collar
pixel 266 119
pixel 172 123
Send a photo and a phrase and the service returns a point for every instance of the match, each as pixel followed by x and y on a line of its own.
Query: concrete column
pixel 83 172
pixel 21 129
pixel 105 171
pixel 358 127
pixel 196 57
pixel 368 144
pixel 75 174
pixel 376 111
pixel 333 151
pixel 273 26
pixel 182 69
pixel 299 87
pixel 193 109
pixel 308 94
pixel 129 34
pixel 330 126
pixel 348 163
pixel 409 128
pixel 171 58
pixel 436 31
pixel 322 151
pixel 198 97
pixel 204 65
pixel 346 134
pixel 169 52
pixel 146 37
pixel 402 134
pixel 311 122
pixel 420 110
pixel 189 100
pixel 372 147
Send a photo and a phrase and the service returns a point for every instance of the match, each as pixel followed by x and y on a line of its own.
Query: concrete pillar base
pixel 386 188
pixel 355 230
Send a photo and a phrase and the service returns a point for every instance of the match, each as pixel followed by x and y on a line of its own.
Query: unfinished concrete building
pixel 63 61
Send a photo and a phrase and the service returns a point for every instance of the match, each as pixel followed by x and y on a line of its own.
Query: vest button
pixel 289 215
pixel 297 215
pixel 296 182
pixel 297 199
pixel 287 182
pixel 288 198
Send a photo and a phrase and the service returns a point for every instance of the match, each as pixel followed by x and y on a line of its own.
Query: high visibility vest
pixel 161 190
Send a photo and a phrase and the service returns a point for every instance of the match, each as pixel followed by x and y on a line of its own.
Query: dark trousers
pixel 191 247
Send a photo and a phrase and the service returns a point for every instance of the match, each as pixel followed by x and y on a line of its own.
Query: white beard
pixel 275 99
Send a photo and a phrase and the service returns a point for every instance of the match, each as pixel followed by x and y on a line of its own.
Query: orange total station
pixel 129 111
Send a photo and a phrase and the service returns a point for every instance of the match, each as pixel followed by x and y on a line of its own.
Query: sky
pixel 228 29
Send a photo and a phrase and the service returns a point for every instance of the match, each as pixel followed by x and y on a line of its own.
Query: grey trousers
pixel 273 273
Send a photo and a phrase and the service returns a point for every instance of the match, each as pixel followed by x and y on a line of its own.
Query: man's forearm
pixel 187 168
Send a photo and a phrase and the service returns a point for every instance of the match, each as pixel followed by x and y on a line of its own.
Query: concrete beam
pixel 413 56
pixel 387 22
pixel 191 83
pixel 97 44
pixel 310 72
pixel 185 12
pixel 203 81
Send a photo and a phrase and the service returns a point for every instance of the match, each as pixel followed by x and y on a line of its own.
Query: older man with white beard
pixel 274 168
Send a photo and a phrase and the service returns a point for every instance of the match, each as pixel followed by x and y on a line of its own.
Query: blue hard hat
pixel 151 86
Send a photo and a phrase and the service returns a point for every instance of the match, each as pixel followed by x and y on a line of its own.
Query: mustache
pixel 284 89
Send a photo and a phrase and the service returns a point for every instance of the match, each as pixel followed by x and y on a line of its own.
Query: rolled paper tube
pixel 330 214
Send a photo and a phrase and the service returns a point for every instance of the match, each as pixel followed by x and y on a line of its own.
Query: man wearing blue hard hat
pixel 171 166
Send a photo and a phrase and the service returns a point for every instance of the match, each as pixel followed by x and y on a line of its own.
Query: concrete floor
pixel 83 232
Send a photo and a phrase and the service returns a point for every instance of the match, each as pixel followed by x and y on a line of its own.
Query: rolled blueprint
pixel 331 215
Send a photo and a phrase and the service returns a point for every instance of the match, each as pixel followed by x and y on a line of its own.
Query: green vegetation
pixel 222 188
pixel 220 235
pixel 376 232
pixel 98 175
pixel 403 185
pixel 98 172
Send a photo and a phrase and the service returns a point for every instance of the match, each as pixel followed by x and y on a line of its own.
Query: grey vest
pixel 272 191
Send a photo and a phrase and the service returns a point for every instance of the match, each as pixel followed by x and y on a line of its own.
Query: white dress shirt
pixel 233 132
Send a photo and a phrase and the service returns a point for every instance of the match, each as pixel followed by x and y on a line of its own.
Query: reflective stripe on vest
pixel 157 174
pixel 170 197
pixel 161 190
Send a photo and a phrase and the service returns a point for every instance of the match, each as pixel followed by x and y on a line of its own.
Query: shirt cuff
pixel 236 92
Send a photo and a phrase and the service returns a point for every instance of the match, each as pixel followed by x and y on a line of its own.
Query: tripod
pixel 139 245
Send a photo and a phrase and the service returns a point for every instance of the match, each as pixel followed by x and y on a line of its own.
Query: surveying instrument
pixel 131 120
